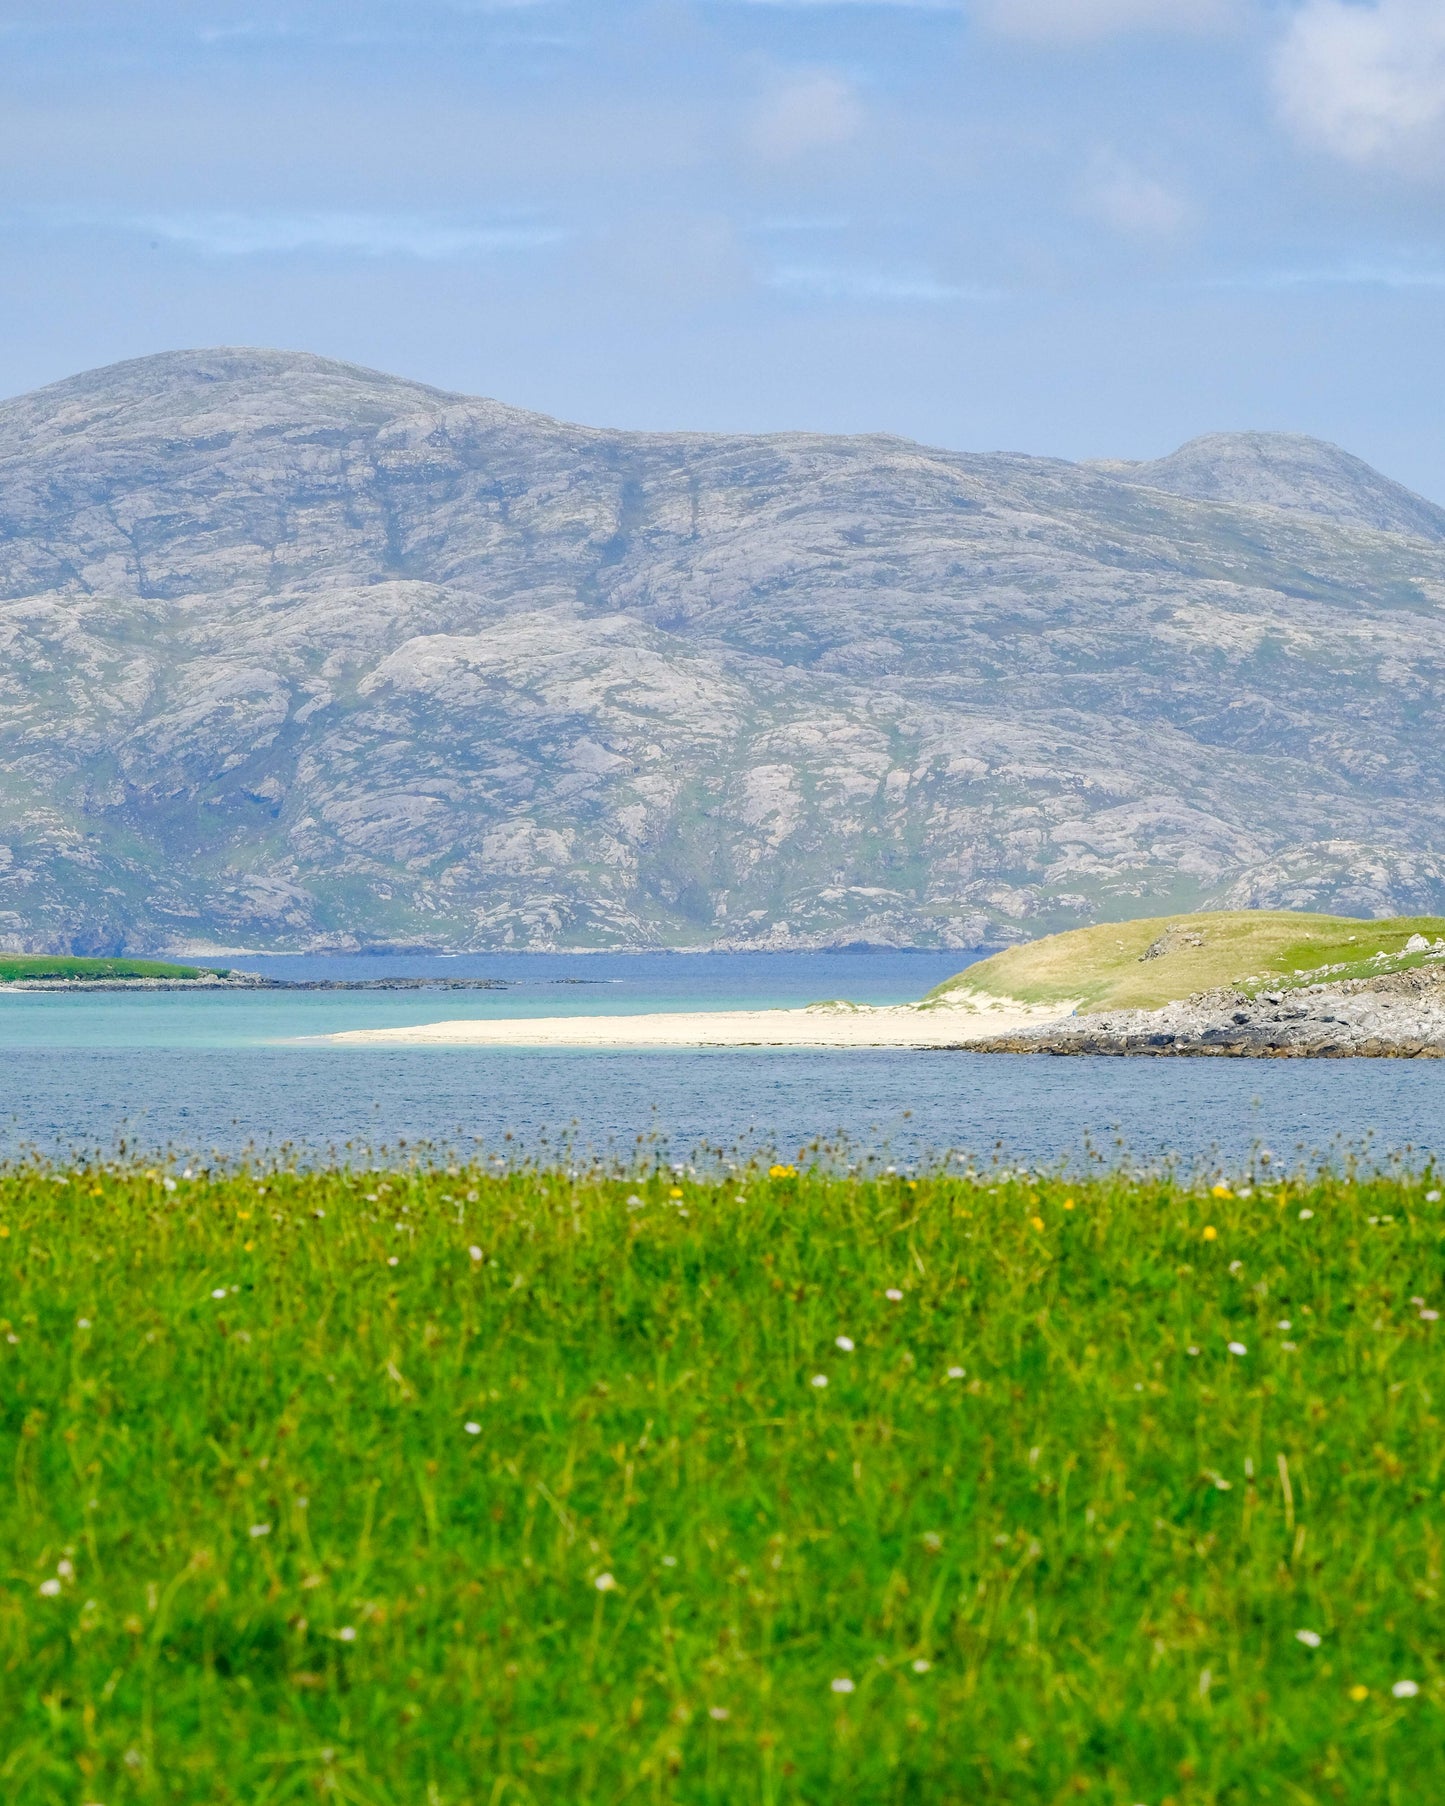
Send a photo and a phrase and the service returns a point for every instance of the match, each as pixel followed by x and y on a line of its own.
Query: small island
pixel 65 970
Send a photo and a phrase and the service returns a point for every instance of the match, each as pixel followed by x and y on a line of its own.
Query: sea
pixel 238 1077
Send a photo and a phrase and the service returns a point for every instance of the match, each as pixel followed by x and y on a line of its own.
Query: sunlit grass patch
pixel 462 1487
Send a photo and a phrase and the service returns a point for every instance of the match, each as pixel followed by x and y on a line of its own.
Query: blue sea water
pixel 196 1072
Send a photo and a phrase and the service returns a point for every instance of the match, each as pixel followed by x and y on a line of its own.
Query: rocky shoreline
pixel 1399 1017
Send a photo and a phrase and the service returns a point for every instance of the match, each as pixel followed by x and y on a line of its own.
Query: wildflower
pixel 720 1713
pixel 634 1202
pixel 669 1561
pixel 1038 1223
pixel 920 1666
pixel 955 1373
pixel 1310 1638
pixel 82 1322
pixel 1432 1197
pixel 675 1191
pixel 347 1633
pixel 472 1429
pixel 1068 1203
pixel 392 1261
pixel 1305 1215
pixel 1429 1316
pixel 1191 1350
pixel 604 1583
pixel 260 1530
pixel 1405 1689
pixel 894 1294
pixel 169 1184
pixel 1211 1234
pixel 1244 1192
pixel 782 1172
pixel 1284 1323
pixel 845 1343
pixel 219 1292
pixel 65 1569
pixel 842 1684
pixel 1359 1692
pixel 1236 1266
pixel 820 1380
pixel 475 1252
pixel 49 1588
pixel 1221 1191
pixel 1238 1348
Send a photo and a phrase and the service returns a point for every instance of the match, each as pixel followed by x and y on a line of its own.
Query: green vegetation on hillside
pixel 1143 964
pixel 441 1487
pixel 57 965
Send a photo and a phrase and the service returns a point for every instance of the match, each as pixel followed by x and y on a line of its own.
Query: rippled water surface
pixel 197 1072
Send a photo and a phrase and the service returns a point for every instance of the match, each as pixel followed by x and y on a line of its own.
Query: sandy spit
pixel 818 1025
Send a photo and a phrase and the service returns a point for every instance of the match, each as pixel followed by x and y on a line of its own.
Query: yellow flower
pixel 1359 1692
pixel 676 1192
pixel 1211 1234
pixel 1068 1203
pixel 4 1231
pixel 1038 1223
pixel 1222 1191
pixel 782 1172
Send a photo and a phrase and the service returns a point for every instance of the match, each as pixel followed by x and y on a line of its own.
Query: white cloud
pixel 1050 20
pixel 1129 201
pixel 826 284
pixel 815 111
pixel 222 234
pixel 1367 81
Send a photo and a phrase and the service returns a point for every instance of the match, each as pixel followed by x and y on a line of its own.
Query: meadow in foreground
pixel 464 1489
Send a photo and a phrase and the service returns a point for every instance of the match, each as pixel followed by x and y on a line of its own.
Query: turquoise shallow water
pixel 195 1073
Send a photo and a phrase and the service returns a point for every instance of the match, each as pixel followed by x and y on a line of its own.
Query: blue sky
pixel 1083 227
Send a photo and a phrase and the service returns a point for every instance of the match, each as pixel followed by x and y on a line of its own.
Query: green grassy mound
pixel 467 1490
pixel 1141 965
pixel 55 965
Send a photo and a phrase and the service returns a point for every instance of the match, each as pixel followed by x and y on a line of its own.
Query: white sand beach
pixel 951 1024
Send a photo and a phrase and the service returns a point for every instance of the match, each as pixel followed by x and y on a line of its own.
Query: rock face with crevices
pixel 294 654
pixel 1400 1016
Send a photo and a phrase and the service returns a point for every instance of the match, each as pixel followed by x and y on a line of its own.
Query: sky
pixel 1087 228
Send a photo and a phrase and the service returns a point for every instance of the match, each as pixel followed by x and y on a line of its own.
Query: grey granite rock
pixel 1399 1016
pixel 293 654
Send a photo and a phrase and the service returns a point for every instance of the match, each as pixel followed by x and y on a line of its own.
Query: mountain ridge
pixel 297 653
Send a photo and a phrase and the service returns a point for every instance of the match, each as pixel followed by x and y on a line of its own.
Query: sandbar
pixel 842 1025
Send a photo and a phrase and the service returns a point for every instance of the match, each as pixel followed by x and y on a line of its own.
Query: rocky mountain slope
pixel 296 654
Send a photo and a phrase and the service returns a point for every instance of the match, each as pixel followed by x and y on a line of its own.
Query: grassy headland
pixel 1142 965
pixel 478 1490
pixel 64 965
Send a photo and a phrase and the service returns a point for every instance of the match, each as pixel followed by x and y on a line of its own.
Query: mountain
pixel 296 654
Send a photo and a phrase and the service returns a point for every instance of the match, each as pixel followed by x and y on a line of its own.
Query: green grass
pixel 64 965
pixel 252 1550
pixel 1103 968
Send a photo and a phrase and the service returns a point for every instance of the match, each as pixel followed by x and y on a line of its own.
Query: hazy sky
pixel 1087 227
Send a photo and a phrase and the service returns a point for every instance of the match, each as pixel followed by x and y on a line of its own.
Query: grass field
pixel 1106 968
pixel 417 1490
pixel 64 965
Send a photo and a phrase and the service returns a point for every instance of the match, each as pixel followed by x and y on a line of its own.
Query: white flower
pixel 955 1373
pixel 1305 1215
pixel 82 1322
pixel 260 1530
pixel 1238 1348
pixel 820 1380
pixel 472 1429
pixel 347 1633
pixel 220 1292
pixel 720 1713
pixel 169 1184
pixel 475 1253
pixel 604 1583
pixel 1432 1197
pixel 842 1684
pixel 634 1202
pixel 1284 1323
pixel 49 1588
pixel 65 1569
pixel 1192 1351
pixel 669 1561
pixel 1244 1192
pixel 845 1343
pixel 1429 1316
pixel 920 1666
pixel 1401 1689
pixel 1310 1638
pixel 894 1294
